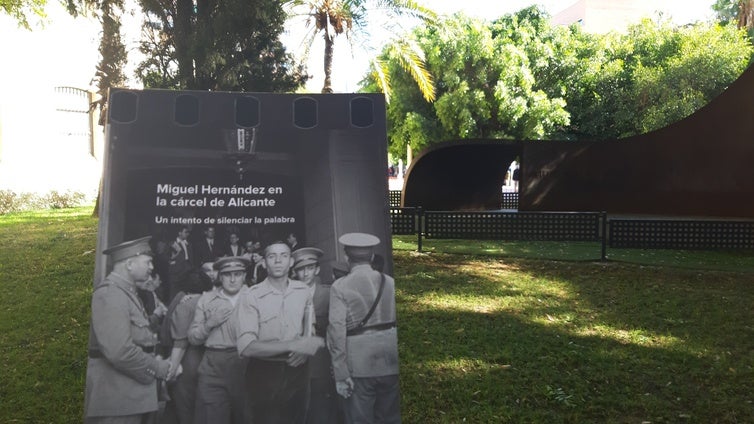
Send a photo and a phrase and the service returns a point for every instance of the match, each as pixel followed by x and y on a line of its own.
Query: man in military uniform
pixel 323 401
pixel 220 392
pixel 276 330
pixel 362 336
pixel 122 368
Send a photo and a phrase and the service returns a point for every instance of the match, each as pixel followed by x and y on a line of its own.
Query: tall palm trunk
pixel 329 45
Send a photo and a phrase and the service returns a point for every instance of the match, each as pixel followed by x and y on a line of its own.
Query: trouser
pixel 374 400
pixel 182 407
pixel 220 391
pixel 278 393
pixel 324 407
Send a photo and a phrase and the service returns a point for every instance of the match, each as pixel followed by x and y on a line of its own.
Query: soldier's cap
pixel 129 249
pixel 231 263
pixel 306 256
pixel 339 268
pixel 362 240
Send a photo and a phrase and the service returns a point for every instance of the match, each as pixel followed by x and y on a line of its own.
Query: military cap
pixel 129 249
pixel 231 263
pixel 358 240
pixel 358 244
pixel 306 256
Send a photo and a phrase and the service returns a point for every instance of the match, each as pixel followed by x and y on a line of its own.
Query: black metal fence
pixel 507 200
pixel 552 226
pixel 573 226
pixel 404 221
pixel 395 198
pixel 680 234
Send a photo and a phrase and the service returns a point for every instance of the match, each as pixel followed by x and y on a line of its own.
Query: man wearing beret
pixel 122 368
pixel 276 330
pixel 362 336
pixel 323 401
pixel 220 392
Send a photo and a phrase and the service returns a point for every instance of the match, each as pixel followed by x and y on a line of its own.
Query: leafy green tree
pixel 726 10
pixel 654 75
pixel 213 45
pixel 485 88
pixel 110 69
pixel 350 18
pixel 520 77
pixel 706 60
pixel 22 10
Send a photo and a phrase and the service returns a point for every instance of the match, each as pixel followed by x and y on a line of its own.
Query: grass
pixel 721 260
pixel 46 268
pixel 489 332
pixel 517 340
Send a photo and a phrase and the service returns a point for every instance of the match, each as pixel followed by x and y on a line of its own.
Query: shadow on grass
pixel 532 341
pixel 741 260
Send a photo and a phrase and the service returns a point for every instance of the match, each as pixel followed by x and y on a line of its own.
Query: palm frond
pixel 382 76
pixel 411 58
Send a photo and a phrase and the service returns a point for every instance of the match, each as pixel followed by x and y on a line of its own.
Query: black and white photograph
pixel 244 268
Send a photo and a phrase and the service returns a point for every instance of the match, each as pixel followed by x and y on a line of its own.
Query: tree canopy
pixel 520 77
pixel 22 10
pixel 217 45
pixel 654 75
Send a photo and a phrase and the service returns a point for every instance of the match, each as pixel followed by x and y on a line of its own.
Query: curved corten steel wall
pixel 700 166
pixel 460 175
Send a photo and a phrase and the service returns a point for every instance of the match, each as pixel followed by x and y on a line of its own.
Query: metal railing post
pixel 603 217
pixel 419 224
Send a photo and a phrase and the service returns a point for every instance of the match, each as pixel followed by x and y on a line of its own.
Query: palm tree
pixel 349 18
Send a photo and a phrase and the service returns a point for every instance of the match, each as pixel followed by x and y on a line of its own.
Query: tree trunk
pixel 203 43
pixel 746 14
pixel 183 33
pixel 329 45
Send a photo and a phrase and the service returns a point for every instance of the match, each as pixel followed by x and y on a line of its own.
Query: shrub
pixel 11 201
pixel 69 199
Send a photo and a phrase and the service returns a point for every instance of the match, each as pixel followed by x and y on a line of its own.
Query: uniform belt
pixel 370 328
pixel 221 349
pixel 96 353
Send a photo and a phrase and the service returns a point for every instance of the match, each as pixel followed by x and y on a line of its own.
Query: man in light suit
pixel 122 370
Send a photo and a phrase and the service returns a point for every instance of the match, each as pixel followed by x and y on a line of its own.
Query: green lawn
pixel 489 331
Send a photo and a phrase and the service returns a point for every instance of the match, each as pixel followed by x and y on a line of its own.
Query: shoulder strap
pixel 134 298
pixel 376 301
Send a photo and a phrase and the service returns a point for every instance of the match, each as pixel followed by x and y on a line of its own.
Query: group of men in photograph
pixel 289 348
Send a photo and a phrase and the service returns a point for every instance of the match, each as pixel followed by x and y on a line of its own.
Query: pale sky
pixel 683 10
pixel 64 53
pixel 351 64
